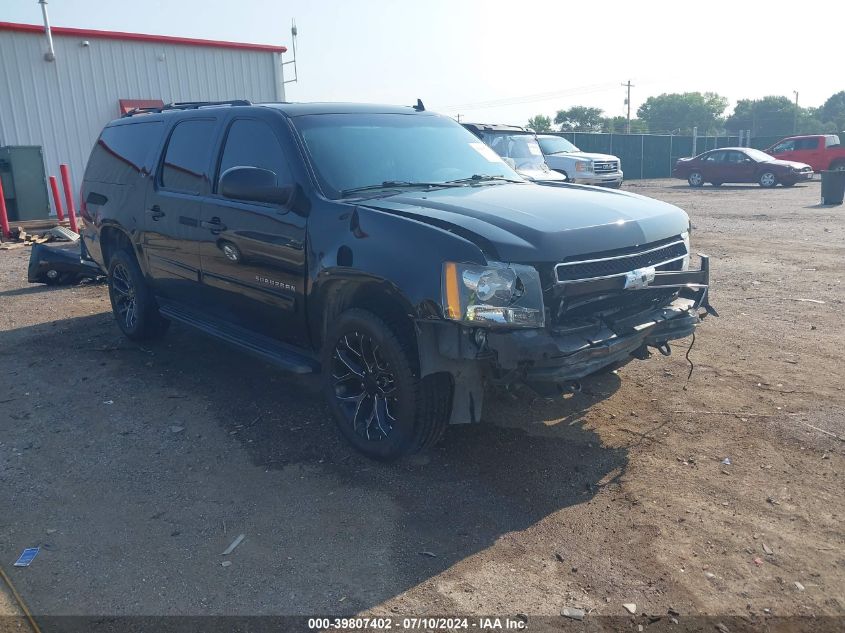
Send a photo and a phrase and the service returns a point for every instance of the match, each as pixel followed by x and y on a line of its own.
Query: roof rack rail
pixel 187 105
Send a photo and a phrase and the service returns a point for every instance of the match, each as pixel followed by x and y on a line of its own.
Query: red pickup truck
pixel 821 151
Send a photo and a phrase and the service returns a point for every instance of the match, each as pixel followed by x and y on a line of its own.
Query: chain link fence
pixel 654 155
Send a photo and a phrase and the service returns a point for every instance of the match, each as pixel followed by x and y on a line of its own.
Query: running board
pixel 283 356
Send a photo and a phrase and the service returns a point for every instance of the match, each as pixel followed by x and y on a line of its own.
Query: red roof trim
pixel 140 37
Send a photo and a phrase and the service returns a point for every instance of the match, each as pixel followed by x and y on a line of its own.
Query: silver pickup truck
pixel 583 168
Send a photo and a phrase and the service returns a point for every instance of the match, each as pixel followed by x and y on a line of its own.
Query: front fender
pixel 358 245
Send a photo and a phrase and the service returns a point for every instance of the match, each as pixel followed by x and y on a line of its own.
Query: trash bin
pixel 833 186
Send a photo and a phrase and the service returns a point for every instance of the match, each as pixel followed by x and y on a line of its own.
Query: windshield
pixel 520 149
pixel 354 151
pixel 556 145
pixel 756 154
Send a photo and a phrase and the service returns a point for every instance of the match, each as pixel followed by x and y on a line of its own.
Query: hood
pixel 541 174
pixel 581 156
pixel 788 163
pixel 530 223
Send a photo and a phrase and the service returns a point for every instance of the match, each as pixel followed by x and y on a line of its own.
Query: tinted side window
pixel 252 143
pixel 186 160
pixel 715 157
pixel 123 151
pixel 807 143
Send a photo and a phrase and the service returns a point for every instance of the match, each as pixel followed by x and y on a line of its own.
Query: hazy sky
pixel 502 61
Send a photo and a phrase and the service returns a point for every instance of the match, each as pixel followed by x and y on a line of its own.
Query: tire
pixel 768 179
pixel 371 383
pixel 837 165
pixel 696 179
pixel 132 302
pixel 616 185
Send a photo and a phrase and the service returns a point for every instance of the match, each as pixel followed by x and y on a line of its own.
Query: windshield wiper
pixel 394 184
pixel 480 178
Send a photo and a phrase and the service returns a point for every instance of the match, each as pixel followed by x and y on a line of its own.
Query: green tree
pixel 580 119
pixel 775 116
pixel 540 123
pixel 833 112
pixel 683 111
pixel 619 125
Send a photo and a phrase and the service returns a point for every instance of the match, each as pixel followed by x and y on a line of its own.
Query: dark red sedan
pixel 740 164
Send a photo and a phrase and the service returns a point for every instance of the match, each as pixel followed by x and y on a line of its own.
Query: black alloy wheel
pixel 364 386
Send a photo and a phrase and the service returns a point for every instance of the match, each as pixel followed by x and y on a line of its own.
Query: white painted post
pixel 694 140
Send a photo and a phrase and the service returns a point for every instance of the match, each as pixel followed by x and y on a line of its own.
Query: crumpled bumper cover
pixel 546 356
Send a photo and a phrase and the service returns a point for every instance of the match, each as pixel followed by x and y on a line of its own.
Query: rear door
pixel 808 150
pixel 713 167
pixel 173 205
pixel 253 254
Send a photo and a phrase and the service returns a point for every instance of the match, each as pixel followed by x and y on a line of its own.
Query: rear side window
pixel 187 156
pixel 123 151
pixel 806 143
pixel 252 143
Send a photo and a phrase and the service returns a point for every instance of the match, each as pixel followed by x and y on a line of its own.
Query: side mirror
pixel 253 184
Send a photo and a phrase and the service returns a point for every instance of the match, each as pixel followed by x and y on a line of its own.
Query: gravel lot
pixel 135 467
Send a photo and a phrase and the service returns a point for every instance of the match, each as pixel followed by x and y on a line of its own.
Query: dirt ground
pixel 134 467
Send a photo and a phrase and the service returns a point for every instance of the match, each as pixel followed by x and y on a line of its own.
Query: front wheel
pixel 132 302
pixel 768 179
pixel 378 401
pixel 695 179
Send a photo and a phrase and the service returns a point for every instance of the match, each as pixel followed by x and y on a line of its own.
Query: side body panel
pixel 253 254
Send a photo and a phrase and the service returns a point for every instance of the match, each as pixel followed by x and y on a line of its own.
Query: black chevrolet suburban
pixel 387 248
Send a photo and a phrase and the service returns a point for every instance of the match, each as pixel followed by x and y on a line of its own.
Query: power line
pixel 543 96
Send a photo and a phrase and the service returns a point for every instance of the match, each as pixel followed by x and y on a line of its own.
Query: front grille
pixel 599 267
pixel 605 166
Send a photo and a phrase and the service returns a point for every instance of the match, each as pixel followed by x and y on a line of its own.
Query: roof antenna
pixel 419 107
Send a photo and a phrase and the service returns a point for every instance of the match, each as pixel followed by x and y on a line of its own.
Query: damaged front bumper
pixel 563 355
pixel 60 264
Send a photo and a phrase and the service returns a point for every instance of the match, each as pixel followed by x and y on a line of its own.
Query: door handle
pixel 214 225
pixel 156 213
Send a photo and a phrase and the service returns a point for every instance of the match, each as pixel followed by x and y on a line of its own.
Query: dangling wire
pixel 691 365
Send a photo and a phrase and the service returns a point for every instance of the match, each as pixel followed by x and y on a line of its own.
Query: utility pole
pixel 795 117
pixel 628 103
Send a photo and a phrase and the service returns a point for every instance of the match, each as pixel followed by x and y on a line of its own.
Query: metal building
pixel 59 88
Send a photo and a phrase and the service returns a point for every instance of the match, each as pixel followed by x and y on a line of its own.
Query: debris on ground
pixel 28 555
pixel 798 586
pixel 630 607
pixel 767 549
pixel 234 544
pixel 573 613
pixel 429 554
pixel 226 563
pixel 726 461
pixel 176 429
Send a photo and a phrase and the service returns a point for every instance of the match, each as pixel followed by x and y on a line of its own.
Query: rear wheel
pixel 378 401
pixel 133 304
pixel 768 179
pixel 695 179
pixel 838 165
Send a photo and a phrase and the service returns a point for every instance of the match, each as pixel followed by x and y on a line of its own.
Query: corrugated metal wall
pixel 63 105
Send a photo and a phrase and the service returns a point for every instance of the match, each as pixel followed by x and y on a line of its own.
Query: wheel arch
pixel 112 238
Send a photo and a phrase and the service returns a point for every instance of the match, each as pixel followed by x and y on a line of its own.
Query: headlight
pixel 508 295
pixel 583 166
pixel 685 261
